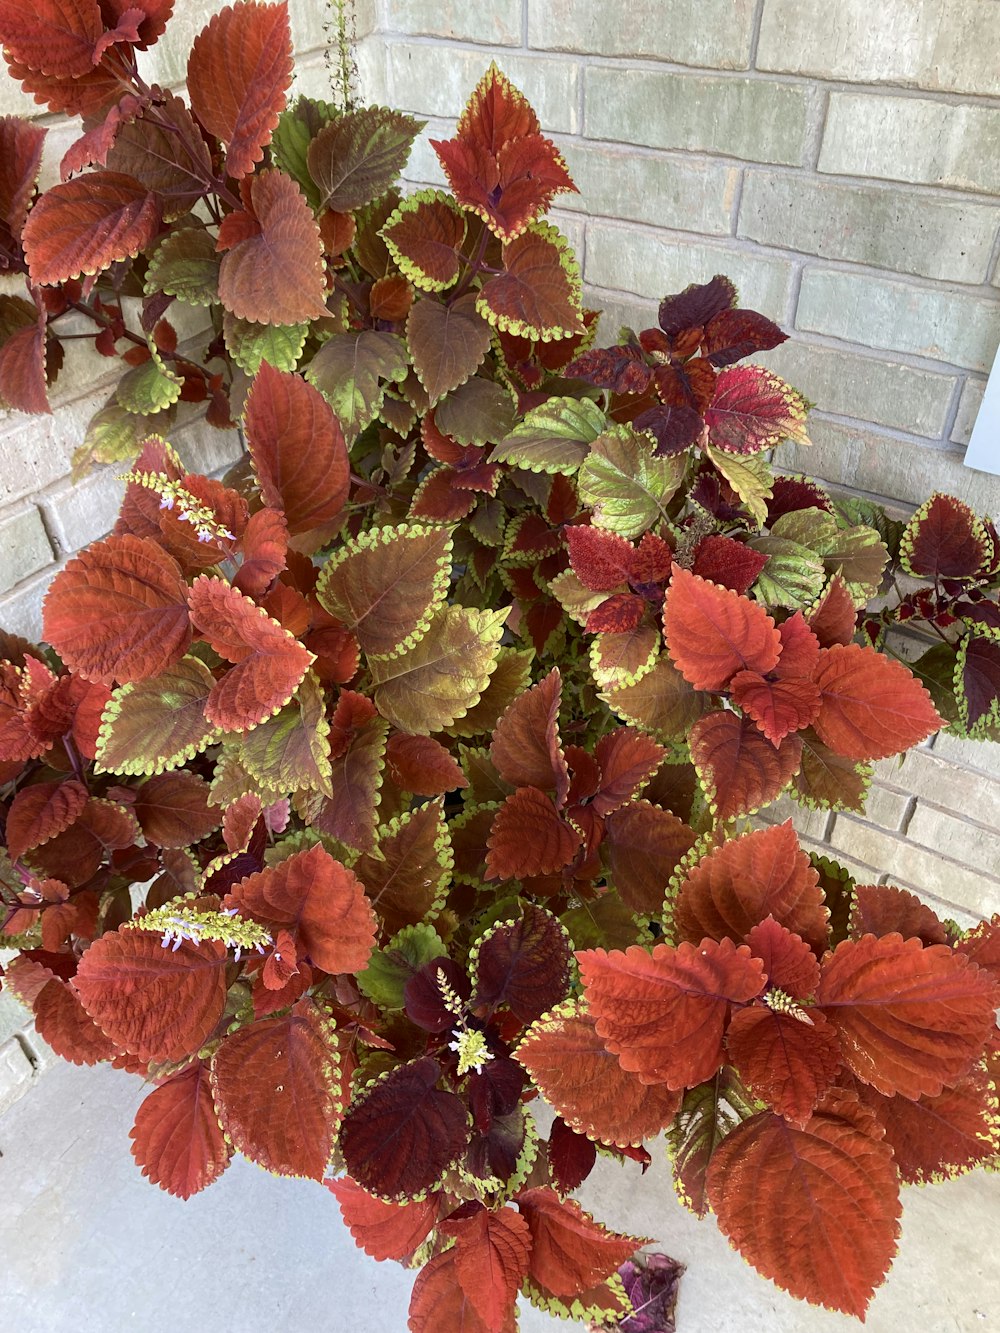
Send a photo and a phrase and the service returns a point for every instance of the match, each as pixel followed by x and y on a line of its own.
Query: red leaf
pixel 783 1060
pixel 55 36
pixel 569 1250
pixel 491 1255
pixel 620 369
pixel 177 1138
pixel 730 563
pixel 537 294
pixel 816 1210
pixel 153 1002
pixel 982 945
pixel 778 707
pixel 38 813
pixel 628 759
pixel 384 1230
pixel 321 903
pixel 522 966
pixel 881 909
pixel 799 649
pixel 587 1085
pixel 526 749
pixel 620 614
pixel 428 232
pixel 834 618
pixel 572 1156
pixel 404 880
pixel 788 960
pixel 84 225
pixel 276 1091
pixel 276 274
pixel 743 882
pixel 944 539
pixel 733 334
pixel 399 1135
pixel 17 741
pixel 298 449
pixel 528 837
pixel 23 381
pixel 239 70
pixel 173 809
pixel 118 611
pixel 712 632
pixel 350 814
pixel 439 1301
pixel 265 552
pixel 752 410
pixel 76 854
pixel 674 428
pixel 270 663
pixel 911 1020
pixel 695 305
pixel 601 560
pixel 740 770
pixel 422 765
pixel 663 1013
pixel 63 1022
pixel 872 706
pixel 152 16
pixel 643 845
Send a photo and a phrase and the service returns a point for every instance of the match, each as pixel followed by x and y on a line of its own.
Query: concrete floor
pixel 88 1246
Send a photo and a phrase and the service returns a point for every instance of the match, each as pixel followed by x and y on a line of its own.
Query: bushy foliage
pixel 406 773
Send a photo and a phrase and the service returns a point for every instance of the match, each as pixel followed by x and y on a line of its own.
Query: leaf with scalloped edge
pixel 786 1061
pixel 911 1019
pixel 526 749
pixel 63 1023
pixel 794 575
pixel 570 1251
pixel 297 126
pixel 739 769
pixel 56 37
pixel 750 477
pixel 174 166
pixel 387 585
pixel 355 776
pixel 425 236
pixel 882 909
pixel 118 611
pixel 944 539
pixel 21 157
pixel 150 387
pixel 291 751
pixel 447 342
pixel 627 487
pixel 173 809
pixel 238 74
pixel 661 701
pixel 77 853
pixel 477 412
pixel 856 553
pixel 359 156
pixel 157 724
pixel 706 1115
pixel 836 1177
pixel 297 448
pixel 522 965
pixel 570 1065
pixel 538 293
pixel 250 345
pixel 789 960
pixel 712 633
pixel 618 660
pixel 23 329
pixel 491 1256
pixel 407 880
pixel 827 780
pixel 431 685
pixel 269 663
pixel 278 1092
pixel 176 1138
pixel 778 707
pixel 554 437
pixel 158 1004
pixel 84 225
pixel 40 812
pixel 643 846
pixel 352 371
pixel 510 678
pixel 977 683
pixel 872 707
pixel 663 1013
pixel 422 765
pixel 753 409
pixel 400 1134
pixel 384 1230
pixel 272 271
pixel 389 968
pixel 439 1300
pixel 738 885
pixel 529 837
pixel 185 264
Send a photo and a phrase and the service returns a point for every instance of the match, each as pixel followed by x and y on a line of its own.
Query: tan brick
pixel 913 139
pixel 207 450
pixel 887 853
pixel 21 610
pixel 886 466
pixel 944 325
pixel 968 409
pixel 496 22
pixel 16 1073
pixel 946 45
pixel 573 228
pixel 808 823
pixel 425 80
pixel 373 74
pixel 24 546
pixel 712 33
pixel 671 192
pixel 977 847
pixel 982 756
pixel 885 808
pixel 884 392
pixel 908 232
pixel 653 265
pixel 166 62
pixel 424 165
pixel 81 512
pixel 936 781
pixel 614 314
pixel 13 1016
pixel 753 119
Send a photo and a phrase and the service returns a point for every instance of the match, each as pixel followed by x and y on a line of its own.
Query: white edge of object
pixel 983 452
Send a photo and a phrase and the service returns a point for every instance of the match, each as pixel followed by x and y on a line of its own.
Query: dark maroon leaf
pixel 425 1004
pixel 496 1153
pixel 571 1156
pixel 980 677
pixel 696 305
pixel 620 369
pixel 651 1282
pixel 523 965
pixel 494 1090
pixel 674 428
pixel 734 334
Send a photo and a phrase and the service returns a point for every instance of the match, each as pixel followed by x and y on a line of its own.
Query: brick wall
pixel 842 164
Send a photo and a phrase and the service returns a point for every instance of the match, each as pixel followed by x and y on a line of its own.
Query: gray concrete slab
pixel 88 1246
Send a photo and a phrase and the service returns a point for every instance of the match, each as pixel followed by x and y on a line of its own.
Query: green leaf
pixel 856 553
pixel 291 750
pixel 627 488
pixel 478 412
pixel 793 576
pixel 439 680
pixel 351 370
pixel 447 342
pixel 185 265
pixel 389 969
pixel 554 437
pixel 750 477
pixel 851 511
pixel 297 126
pixel 280 345
pixel 114 436
pixel 157 724
pixel 708 1113
pixel 359 156
pixel 149 388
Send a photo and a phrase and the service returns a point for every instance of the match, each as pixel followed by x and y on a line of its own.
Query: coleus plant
pixel 405 773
